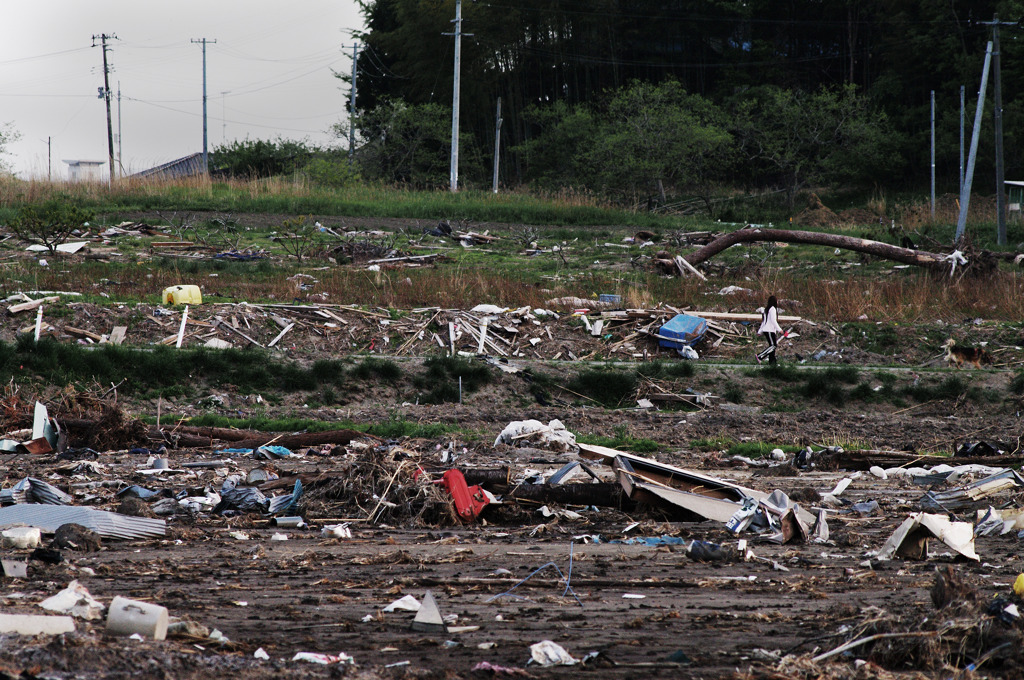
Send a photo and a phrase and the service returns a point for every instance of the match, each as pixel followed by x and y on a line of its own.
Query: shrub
pixel 380 369
pixel 441 379
pixel 608 387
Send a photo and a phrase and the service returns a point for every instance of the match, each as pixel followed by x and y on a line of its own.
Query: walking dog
pixel 958 356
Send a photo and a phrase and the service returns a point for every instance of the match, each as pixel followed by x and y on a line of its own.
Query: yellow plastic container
pixel 183 295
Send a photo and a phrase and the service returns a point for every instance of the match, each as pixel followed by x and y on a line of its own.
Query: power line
pixel 234 122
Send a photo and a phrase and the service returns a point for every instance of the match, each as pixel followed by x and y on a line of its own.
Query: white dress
pixel 770 323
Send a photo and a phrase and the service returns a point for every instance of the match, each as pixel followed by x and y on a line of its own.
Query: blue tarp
pixel 685 330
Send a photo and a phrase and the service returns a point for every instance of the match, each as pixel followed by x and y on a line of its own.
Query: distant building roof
pixel 76 162
pixel 188 166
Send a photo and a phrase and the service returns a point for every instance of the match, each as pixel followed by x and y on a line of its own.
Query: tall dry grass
pixel 903 297
pixel 918 297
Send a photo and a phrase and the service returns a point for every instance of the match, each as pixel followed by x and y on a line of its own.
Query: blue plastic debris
pixel 682 330
pixel 272 452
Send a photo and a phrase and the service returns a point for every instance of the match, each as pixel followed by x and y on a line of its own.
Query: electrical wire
pixel 233 122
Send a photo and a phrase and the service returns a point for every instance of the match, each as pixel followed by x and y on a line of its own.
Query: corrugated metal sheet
pixel 32 490
pixel 107 524
pixel 188 166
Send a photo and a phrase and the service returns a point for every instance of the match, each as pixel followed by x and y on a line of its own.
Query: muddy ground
pixel 630 610
pixel 644 609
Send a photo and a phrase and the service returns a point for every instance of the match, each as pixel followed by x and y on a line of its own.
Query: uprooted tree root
pixel 385 487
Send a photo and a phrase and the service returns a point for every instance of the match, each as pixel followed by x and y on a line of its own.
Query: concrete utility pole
pixel 120 163
pixel 105 95
pixel 962 91
pixel 933 154
pixel 352 107
pixel 965 193
pixel 224 117
pixel 206 155
pixel 497 144
pixel 454 172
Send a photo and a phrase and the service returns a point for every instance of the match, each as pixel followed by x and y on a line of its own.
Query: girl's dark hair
pixel 772 302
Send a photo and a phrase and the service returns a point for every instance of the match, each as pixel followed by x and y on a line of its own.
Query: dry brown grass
pixel 906 297
pixel 910 298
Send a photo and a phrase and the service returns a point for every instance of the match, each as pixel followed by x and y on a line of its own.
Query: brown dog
pixel 958 356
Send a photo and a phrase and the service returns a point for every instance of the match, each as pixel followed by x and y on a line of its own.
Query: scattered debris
pixel 910 540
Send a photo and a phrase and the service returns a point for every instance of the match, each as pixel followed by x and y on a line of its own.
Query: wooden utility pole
pixel 106 96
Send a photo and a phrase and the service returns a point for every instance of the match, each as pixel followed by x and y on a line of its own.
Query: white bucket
pixel 128 617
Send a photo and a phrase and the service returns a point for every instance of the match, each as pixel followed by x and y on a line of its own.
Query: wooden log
pixel 919 258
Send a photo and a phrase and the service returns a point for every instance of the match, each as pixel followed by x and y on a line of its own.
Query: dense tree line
pixel 853 76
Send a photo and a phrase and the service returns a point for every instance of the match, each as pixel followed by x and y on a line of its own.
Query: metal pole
pixel 352 108
pixel 933 154
pixel 965 193
pixel 454 170
pixel 497 145
pixel 962 90
pixel 997 93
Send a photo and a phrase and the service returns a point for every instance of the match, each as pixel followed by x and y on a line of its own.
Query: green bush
pixel 440 380
pixel 333 173
pixel 605 386
pixel 377 369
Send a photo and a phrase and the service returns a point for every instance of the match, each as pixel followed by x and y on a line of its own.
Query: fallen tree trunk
pixel 919 258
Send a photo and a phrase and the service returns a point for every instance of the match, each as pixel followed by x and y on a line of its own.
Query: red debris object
pixel 469 500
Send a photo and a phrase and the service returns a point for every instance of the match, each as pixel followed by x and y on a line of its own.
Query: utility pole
pixel 120 163
pixel 223 117
pixel 352 107
pixel 105 95
pixel 962 91
pixel 49 159
pixel 454 172
pixel 497 144
pixel 997 94
pixel 933 154
pixel 965 193
pixel 206 154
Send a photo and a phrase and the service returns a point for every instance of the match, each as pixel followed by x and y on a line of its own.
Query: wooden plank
pixel 82 333
pixel 281 334
pixel 32 304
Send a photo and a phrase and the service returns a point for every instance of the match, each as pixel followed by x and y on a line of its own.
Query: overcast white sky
pixel 268 75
